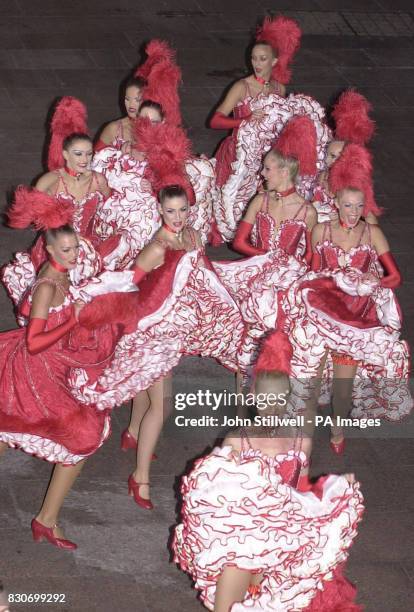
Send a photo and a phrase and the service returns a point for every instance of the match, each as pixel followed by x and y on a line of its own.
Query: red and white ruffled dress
pixel 226 152
pixel 38 413
pixel 181 308
pixel 243 510
pixel 257 283
pixel 240 156
pixel 20 274
pixel 336 309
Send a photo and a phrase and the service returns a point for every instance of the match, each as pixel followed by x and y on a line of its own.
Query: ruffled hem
pixel 380 388
pixel 50 450
pixel 198 317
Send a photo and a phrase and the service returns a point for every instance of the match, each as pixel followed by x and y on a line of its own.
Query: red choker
pixel 284 194
pixel 261 80
pixel 57 265
pixel 346 227
pixel 170 229
pixel 71 172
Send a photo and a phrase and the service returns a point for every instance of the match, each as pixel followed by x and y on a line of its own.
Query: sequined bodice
pixel 289 236
pixel 288 465
pixel 84 209
pixel 362 256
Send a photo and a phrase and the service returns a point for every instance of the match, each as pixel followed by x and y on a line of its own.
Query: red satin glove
pixel 139 274
pixel 220 121
pixel 99 145
pixel 241 242
pixel 38 340
pixel 392 276
pixel 316 262
pixel 308 253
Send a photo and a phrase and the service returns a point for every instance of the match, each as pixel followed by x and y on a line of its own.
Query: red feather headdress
pixel 298 140
pixel 352 121
pixel 354 170
pixel 33 207
pixel 167 148
pixel 70 116
pixel 283 35
pixel 163 77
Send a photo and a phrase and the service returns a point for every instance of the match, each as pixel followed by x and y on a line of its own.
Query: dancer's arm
pixel 37 339
pixel 107 136
pixel 152 256
pixel 221 120
pixel 48 183
pixel 317 234
pixel 235 95
pixel 241 241
pixel 392 277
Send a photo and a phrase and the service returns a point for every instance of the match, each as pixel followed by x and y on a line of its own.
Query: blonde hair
pixel 291 163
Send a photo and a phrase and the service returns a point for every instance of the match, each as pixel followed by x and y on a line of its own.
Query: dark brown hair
pixel 171 191
pixel 53 233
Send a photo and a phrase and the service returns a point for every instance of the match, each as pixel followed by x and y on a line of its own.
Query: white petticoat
pixel 237 511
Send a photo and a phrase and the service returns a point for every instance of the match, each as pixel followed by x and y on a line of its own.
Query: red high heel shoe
pixel 338 447
pixel 128 441
pixel 41 532
pixel 133 489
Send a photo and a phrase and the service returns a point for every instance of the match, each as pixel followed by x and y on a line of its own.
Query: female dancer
pixel 157 80
pixel 181 308
pixel 255 534
pixel 70 178
pixel 38 414
pixel 345 309
pixel 135 217
pixel 276 43
pixel 119 132
pixel 352 125
pixel 69 182
pixel 275 233
pixel 260 118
